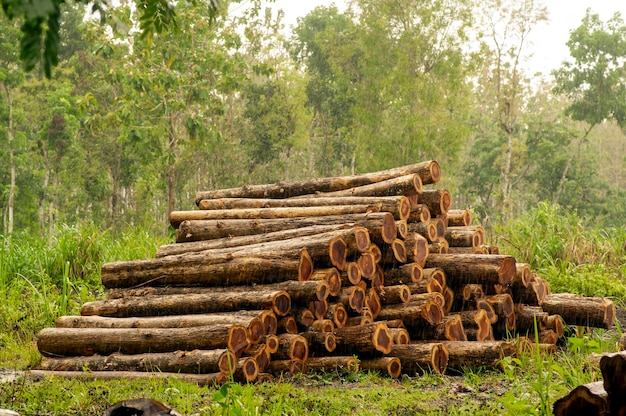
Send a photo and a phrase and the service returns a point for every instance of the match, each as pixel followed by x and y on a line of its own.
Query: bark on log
pixel 364 339
pixel 533 295
pixel 338 314
pixel 556 323
pixel 372 302
pixel 334 363
pixel 367 264
pixel 470 354
pixel 330 276
pixel 461 269
pixel 486 306
pixel 304 317
pixel 292 347
pixel 399 206
pixel 193 362
pixel 289 325
pixel 278 301
pixel 247 370
pixel 400 336
pixel 394 294
pixel 476 325
pixel 64 342
pixel 459 217
pixel 319 308
pixel 352 298
pixel 466 297
pixel 177 217
pixel 437 200
pixel 450 328
pixel 428 171
pixel 427 229
pixel 352 274
pixel 439 247
pixel 502 304
pixel 405 273
pixel 415 315
pixel 468 250
pixel 402 185
pixel 419 213
pixel 528 317
pixel 390 366
pixel 587 399
pixel 280 367
pixel 403 229
pixel 463 237
pixel 581 310
pixel 200 379
pixel 320 342
pixel 418 358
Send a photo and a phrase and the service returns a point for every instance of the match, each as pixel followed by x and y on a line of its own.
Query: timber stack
pixel 293 277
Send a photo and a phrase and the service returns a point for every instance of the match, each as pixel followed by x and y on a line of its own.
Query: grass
pixel 41 279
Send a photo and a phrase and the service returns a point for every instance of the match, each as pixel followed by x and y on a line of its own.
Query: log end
pixel 281 304
pixel 338 252
pixel 381 339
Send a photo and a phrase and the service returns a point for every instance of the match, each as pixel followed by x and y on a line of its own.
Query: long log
pixel 334 363
pixel 193 362
pixel 198 269
pixel 581 310
pixel 470 354
pixel 586 399
pixel 461 269
pixel 64 342
pixel 415 315
pixel 399 206
pixel 199 379
pixel 405 273
pixel 419 358
pixel 390 366
pixel 278 301
pixel 217 229
pixel 428 171
pixel 364 339
pixel 402 185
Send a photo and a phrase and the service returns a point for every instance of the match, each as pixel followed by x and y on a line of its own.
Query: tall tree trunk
pixel 506 177
pixel 11 201
pixel 44 189
pixel 171 172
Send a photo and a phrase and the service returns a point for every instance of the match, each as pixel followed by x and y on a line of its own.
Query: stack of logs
pixel 369 271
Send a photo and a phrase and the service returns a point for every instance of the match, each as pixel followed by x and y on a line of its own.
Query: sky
pixel 548 39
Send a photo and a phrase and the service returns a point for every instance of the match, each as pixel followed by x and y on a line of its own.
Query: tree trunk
pixel 399 206
pixel 417 358
pixel 427 229
pixel 177 217
pixel 429 172
pixel 460 237
pixel 278 301
pixel 63 342
pixel 390 366
pixel 581 310
pixel 461 269
pixel 364 339
pixel 587 399
pixel 401 185
pixel 529 316
pixel 10 133
pixel 192 362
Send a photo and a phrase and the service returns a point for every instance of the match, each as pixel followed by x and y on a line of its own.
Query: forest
pixel 130 125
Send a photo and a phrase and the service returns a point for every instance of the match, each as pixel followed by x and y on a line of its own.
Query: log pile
pixel 293 277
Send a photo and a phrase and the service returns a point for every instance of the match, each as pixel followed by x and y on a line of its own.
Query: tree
pixel 41 20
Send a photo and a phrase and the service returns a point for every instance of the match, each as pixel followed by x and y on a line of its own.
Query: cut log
pixel 587 399
pixel 193 362
pixel 439 247
pixel 304 317
pixel 464 237
pixel 486 306
pixel 429 172
pixel 330 276
pixel 65 342
pixel 364 339
pixel 280 367
pixel 416 249
pixel 433 280
pixel 399 336
pixel 502 304
pixel 461 269
pixel 338 314
pixel 289 325
pixel 177 217
pixel 320 342
pixel 390 366
pixel 557 324
pixel 459 217
pixel 522 277
pixel 372 302
pixel 278 301
pixel 419 358
pixel 533 294
pixel 319 308
pixel 323 325
pixel 466 297
pixel 247 370
pixel 530 318
pixel 450 328
pixel 262 356
pixel 399 206
pixel 437 200
pixel 375 251
pixel 405 273
pixel 367 264
pixel 476 325
pixel 199 379
pixel 469 354
pixel 419 213
pixel 613 366
pixel 581 310
pixel 334 363
pixel 468 250
pixel 427 229
pixel 402 185
pixel 352 298
pixel 395 294
pixel 292 347
pixel 352 274
pixel 403 229
pixel 415 315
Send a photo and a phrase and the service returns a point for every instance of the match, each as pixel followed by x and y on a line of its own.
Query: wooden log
pixel 529 318
pixel 193 362
pixel 439 247
pixel 292 347
pixel 419 213
pixel 427 229
pixel 319 308
pixel 200 270
pixel 334 363
pixel 320 342
pixel 278 301
pixel 364 339
pixel 390 366
pixel 461 269
pixel 265 378
pixel 476 325
pixel 613 366
pixel 280 367
pixel 533 294
pixel 331 276
pixel 177 217
pixel 65 342
pixel 405 273
pixel 448 296
pixel 300 292
pixel 416 249
pixel 504 327
pixel 289 325
pixel 199 379
pixel 219 229
pixel 363 319
pixel 375 251
pixel 400 336
pixel 470 354
pixel 557 324
pixel 415 315
pixel 304 317
pixel 547 336
pixel 450 328
pixel 466 297
pixel 402 185
pixel 586 399
pixel 435 297
pixel 581 310
pixel 428 171
pixel 468 250
pixel 367 264
pixel 464 237
pixel 247 370
pixel 502 304
pixel 352 274
pixel 352 298
pixel 523 275
pixel 433 280
pixel 418 358
pixel 372 302
pixel 253 322
pixel 486 306
pixel 338 314
pixel 402 228
pixel 437 200
pixel 270 342
pixel 395 294
pixel 399 206
pixel 323 325
pixel 459 217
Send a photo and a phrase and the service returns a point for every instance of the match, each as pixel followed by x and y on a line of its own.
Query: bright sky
pixel 548 47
